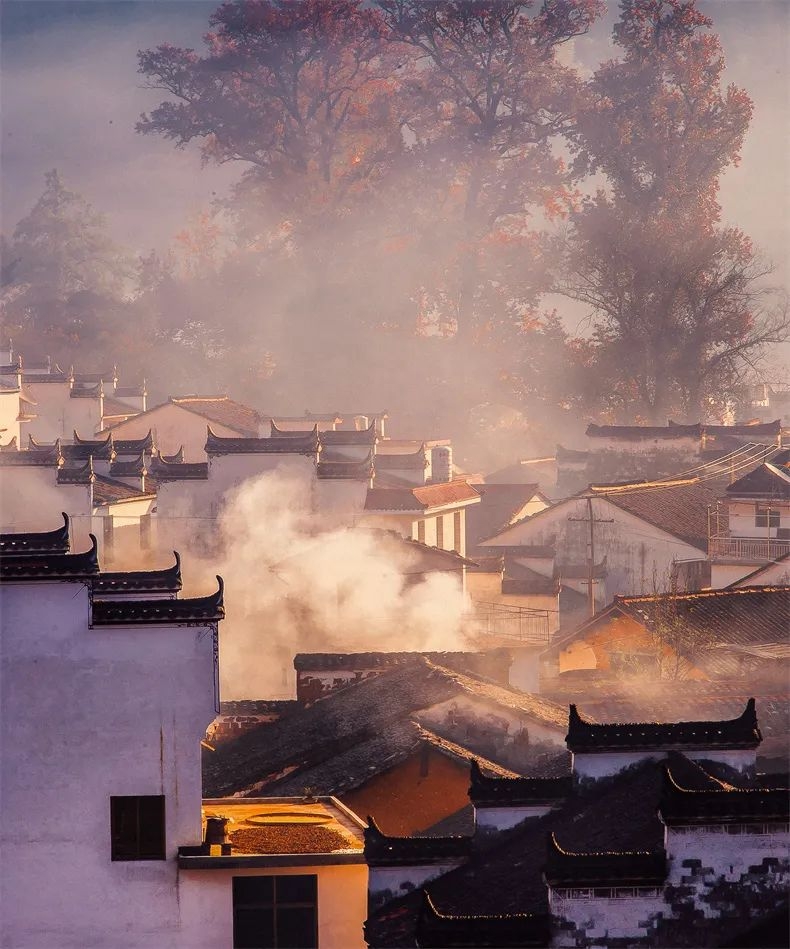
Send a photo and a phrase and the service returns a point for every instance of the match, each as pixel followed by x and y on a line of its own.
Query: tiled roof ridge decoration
pixel 644 431
pixel 277 432
pixel 601 868
pixel 133 446
pixel 131 468
pixel 177 458
pixel 56 566
pixel 219 445
pixel 407 461
pixel 629 599
pixel 164 470
pixel 195 610
pixel 92 442
pixel 354 436
pixel 721 805
pixel 762 428
pixel 512 792
pixel 435 928
pixel 94 392
pixel 741 732
pixel 37 542
pixel 51 456
pixel 168 578
pixel 382 850
pixel 10 446
pixel 361 470
pixel 82 475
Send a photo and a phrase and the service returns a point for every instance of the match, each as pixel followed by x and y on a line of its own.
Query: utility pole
pixel 592 521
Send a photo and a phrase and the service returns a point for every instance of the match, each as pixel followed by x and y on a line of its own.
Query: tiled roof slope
pixel 639 432
pixel 420 498
pixel 680 510
pixel 114 408
pixel 218 445
pixel 222 410
pixel 352 716
pixel 490 791
pixel 108 491
pixel 384 850
pixel 196 610
pixel 499 504
pixel 46 542
pixel 352 766
pixel 468 662
pixel 767 481
pixel 741 732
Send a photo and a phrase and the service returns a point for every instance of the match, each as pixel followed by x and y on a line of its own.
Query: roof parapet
pixel 196 611
pixel 46 542
pixel 168 579
pixel 56 566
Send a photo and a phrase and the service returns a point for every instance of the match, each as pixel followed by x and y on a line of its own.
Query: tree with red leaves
pixel 679 302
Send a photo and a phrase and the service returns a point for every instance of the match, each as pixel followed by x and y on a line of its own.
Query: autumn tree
pixel 679 301
pixel 64 278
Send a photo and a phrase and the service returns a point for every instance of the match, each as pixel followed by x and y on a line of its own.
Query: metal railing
pixel 513 623
pixel 748 548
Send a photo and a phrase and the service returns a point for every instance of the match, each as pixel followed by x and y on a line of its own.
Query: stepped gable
pixel 182 471
pixel 55 566
pixel 87 392
pixel 487 791
pixel 130 392
pixel 196 610
pixel 308 444
pixel 339 437
pixel 45 542
pixel 346 470
pixel 640 432
pixel 83 448
pixel 403 461
pixel 767 481
pixel 277 432
pixel 567 868
pixel 49 457
pixel 741 732
pixel 130 467
pixel 82 475
pixel 683 801
pixel 167 580
pixel 134 446
pixel 177 458
pixel 381 850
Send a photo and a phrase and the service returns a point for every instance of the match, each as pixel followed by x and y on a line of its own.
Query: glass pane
pixel 296 928
pixel 253 929
pixel 297 889
pixel 252 890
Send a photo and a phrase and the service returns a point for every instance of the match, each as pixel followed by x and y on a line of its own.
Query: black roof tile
pixel 166 580
pixel 308 444
pixel 46 542
pixel 486 791
pixel 741 732
pixel 182 471
pixel 382 850
pixel 56 566
pixel 196 610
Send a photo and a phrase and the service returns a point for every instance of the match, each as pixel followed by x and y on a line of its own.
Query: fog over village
pixel 395 474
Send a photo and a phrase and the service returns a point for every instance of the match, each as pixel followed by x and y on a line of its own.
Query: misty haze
pixel 395 473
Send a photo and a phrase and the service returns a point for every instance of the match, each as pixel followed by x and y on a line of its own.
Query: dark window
pixel 137 827
pixel 457 532
pixel 275 912
pixel 440 531
pixel 766 516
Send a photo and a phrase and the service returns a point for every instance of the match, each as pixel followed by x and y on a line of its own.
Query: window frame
pixel 120 853
pixel 274 904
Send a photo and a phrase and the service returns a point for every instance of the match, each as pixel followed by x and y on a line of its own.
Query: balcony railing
pixel 748 548
pixel 512 623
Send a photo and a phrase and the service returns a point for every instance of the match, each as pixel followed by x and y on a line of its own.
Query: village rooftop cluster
pixel 600 762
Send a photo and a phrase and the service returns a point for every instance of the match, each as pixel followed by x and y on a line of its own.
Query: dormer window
pixel 766 516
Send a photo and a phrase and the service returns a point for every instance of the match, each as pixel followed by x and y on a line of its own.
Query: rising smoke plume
pixel 296 583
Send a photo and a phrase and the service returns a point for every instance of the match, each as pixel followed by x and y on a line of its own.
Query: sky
pixel 70 96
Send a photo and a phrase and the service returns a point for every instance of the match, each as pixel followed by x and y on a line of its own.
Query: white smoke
pixel 294 583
